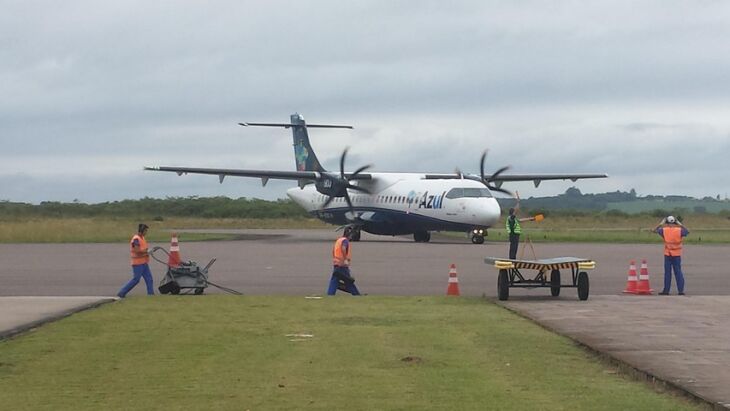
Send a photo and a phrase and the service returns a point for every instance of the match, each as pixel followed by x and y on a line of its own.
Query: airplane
pixel 386 203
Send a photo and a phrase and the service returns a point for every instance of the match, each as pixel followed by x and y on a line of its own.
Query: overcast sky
pixel 90 92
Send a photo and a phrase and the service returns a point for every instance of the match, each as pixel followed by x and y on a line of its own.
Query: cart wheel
pixel 503 285
pixel 199 291
pixel 583 286
pixel 555 283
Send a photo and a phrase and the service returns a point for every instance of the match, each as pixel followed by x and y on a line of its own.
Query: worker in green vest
pixel 514 230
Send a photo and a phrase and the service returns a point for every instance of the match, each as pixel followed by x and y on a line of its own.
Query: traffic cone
pixel 174 258
pixel 643 287
pixel 631 283
pixel 453 288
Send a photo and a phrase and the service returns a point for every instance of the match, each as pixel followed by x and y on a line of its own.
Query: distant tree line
pixel 571 202
pixel 619 203
pixel 154 208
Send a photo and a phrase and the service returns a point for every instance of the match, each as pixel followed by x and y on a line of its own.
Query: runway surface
pixel 298 262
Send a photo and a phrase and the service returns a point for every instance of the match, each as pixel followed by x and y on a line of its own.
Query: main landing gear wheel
pixel 555 283
pixel 583 286
pixel 503 285
pixel 355 235
pixel 422 236
pixel 477 239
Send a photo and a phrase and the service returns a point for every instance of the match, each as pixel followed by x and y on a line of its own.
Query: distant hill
pixel 621 202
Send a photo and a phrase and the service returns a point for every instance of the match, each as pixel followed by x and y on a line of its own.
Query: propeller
pixel 336 186
pixel 488 181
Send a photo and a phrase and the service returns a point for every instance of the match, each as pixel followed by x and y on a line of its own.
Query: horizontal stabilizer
pixel 288 125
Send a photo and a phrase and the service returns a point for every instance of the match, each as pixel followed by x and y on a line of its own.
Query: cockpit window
pixel 468 192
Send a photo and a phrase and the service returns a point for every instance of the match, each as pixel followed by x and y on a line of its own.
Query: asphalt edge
pixel 624 367
pixel 17 331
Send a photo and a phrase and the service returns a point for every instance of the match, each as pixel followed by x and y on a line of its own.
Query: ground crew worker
pixel 140 262
pixel 514 230
pixel 672 231
pixel 341 258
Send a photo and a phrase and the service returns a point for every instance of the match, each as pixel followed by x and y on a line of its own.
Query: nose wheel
pixel 477 239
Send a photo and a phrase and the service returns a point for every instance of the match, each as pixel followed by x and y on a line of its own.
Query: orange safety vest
pixel 672 241
pixel 338 258
pixel 136 259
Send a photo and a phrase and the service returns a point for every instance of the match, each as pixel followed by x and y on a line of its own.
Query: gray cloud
pixel 94 91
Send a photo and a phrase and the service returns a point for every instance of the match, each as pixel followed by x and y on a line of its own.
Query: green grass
pixel 704 229
pixel 108 230
pixel 368 353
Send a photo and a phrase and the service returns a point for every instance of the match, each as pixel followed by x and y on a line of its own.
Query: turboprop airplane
pixel 386 203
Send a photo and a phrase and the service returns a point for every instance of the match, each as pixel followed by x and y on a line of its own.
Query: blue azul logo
pixel 425 200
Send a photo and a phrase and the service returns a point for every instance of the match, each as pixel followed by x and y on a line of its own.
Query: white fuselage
pixel 404 203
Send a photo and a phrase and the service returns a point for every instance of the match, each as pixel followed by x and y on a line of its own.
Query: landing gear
pixel 477 239
pixel 477 235
pixel 355 234
pixel 422 236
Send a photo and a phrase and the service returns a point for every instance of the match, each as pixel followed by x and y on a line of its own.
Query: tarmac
pixel 20 314
pixel 679 340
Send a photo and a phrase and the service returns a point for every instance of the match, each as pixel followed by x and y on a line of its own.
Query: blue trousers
pixel 140 270
pixel 673 263
pixel 334 281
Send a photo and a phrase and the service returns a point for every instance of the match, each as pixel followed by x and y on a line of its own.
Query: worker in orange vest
pixel 341 258
pixel 140 262
pixel 672 231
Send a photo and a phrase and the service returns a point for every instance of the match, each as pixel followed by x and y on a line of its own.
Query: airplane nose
pixel 490 212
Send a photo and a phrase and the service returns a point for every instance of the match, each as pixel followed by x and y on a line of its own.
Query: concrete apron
pixel 19 314
pixel 680 340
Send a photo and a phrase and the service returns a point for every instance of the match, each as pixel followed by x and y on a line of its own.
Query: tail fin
pixel 304 156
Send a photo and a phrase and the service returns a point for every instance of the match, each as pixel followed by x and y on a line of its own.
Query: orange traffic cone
pixel 174 258
pixel 643 287
pixel 631 283
pixel 453 288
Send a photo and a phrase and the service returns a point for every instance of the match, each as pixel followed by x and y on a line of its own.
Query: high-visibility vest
pixel 672 240
pixel 338 257
pixel 518 229
pixel 137 260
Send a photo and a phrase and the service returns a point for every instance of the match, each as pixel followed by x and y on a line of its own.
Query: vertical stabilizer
pixel 304 156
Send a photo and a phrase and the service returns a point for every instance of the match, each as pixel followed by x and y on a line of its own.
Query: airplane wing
pixel 535 178
pixel 302 176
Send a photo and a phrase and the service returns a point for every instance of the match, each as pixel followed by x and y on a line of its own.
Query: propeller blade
pixel 481 163
pixel 360 170
pixel 342 163
pixel 500 171
pixel 358 188
pixel 326 203
pixel 349 202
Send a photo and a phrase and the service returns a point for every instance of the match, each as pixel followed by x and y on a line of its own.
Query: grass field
pixel 368 353
pixel 106 230
pixel 704 229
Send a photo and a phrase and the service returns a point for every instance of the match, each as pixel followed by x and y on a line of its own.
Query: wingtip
pixel 243 124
